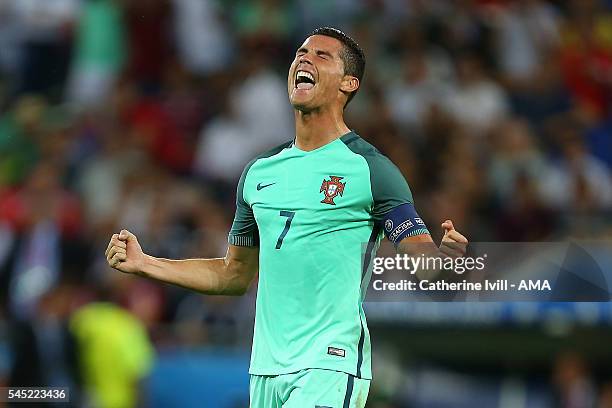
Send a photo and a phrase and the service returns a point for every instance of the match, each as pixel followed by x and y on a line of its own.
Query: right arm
pixel 230 275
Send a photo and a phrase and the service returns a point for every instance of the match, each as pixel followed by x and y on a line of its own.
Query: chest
pixel 328 189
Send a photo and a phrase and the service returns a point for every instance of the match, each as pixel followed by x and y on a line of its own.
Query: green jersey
pixel 311 213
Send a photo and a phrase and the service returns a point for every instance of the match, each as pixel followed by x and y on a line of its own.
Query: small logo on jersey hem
pixel 262 186
pixel 333 351
pixel 332 188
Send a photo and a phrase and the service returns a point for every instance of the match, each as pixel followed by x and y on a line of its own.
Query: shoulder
pixel 267 154
pixel 388 185
pixel 358 145
pixel 274 151
pixel 377 162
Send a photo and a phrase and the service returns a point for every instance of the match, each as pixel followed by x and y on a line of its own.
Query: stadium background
pixel 141 114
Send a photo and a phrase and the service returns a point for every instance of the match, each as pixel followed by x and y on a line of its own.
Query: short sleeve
pixel 393 204
pixel 389 187
pixel 244 230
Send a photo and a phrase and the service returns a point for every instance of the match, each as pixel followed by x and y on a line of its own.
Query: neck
pixel 317 128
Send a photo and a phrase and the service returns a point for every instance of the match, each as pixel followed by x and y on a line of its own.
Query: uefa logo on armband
pixel 388 225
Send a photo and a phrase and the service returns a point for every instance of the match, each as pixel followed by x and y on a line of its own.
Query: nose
pixel 305 58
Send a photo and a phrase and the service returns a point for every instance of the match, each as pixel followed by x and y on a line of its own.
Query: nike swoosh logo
pixel 262 186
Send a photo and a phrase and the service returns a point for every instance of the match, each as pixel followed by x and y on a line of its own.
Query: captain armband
pixel 401 222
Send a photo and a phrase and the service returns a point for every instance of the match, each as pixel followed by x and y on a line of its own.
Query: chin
pixel 304 100
pixel 302 105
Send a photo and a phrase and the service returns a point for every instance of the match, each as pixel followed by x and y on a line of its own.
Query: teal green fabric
pixel 18 152
pixel 309 388
pixel 101 36
pixel 311 213
pixel 252 17
pixel 389 187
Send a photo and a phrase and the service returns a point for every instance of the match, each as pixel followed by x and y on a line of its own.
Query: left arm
pixel 394 209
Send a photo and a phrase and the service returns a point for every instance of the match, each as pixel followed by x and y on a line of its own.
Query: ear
pixel 349 84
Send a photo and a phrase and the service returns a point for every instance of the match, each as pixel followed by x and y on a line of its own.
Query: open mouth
pixel 304 80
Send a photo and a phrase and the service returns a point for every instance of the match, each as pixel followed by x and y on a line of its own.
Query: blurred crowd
pixel 141 114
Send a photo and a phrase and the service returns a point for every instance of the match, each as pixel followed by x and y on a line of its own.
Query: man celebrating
pixel 304 209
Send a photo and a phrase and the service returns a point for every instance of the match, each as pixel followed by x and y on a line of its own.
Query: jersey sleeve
pixel 393 204
pixel 389 187
pixel 244 230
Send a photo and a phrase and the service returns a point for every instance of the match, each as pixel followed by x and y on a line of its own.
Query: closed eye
pixel 320 53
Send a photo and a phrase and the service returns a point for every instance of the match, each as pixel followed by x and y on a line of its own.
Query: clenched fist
pixel 453 244
pixel 124 253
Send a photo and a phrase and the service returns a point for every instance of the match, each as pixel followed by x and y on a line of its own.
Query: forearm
pixel 453 245
pixel 422 249
pixel 209 276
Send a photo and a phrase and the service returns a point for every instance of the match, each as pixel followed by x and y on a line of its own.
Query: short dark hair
pixel 352 55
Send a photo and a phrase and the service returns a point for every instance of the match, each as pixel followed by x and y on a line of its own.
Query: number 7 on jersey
pixel 289 215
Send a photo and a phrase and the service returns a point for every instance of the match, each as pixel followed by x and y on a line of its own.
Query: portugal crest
pixel 332 188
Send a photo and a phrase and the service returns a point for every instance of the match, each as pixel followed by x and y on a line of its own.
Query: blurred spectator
pixel 143 191
pixel 573 385
pixel 46 248
pixel 44 349
pixel 151 129
pixel 100 181
pixel 420 84
pixel 475 101
pixel 213 158
pixel 320 13
pixel 518 176
pixel 267 22
pixel 20 130
pixel 150 34
pixel 9 40
pixel 45 28
pixel 605 397
pixel 514 155
pixel 114 352
pixel 586 57
pixel 184 100
pixel 271 123
pixel 220 320
pixel 99 53
pixel 600 142
pixel 202 38
pixel 528 33
pixel 578 181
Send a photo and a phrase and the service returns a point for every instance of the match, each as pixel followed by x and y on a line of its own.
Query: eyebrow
pixel 318 52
